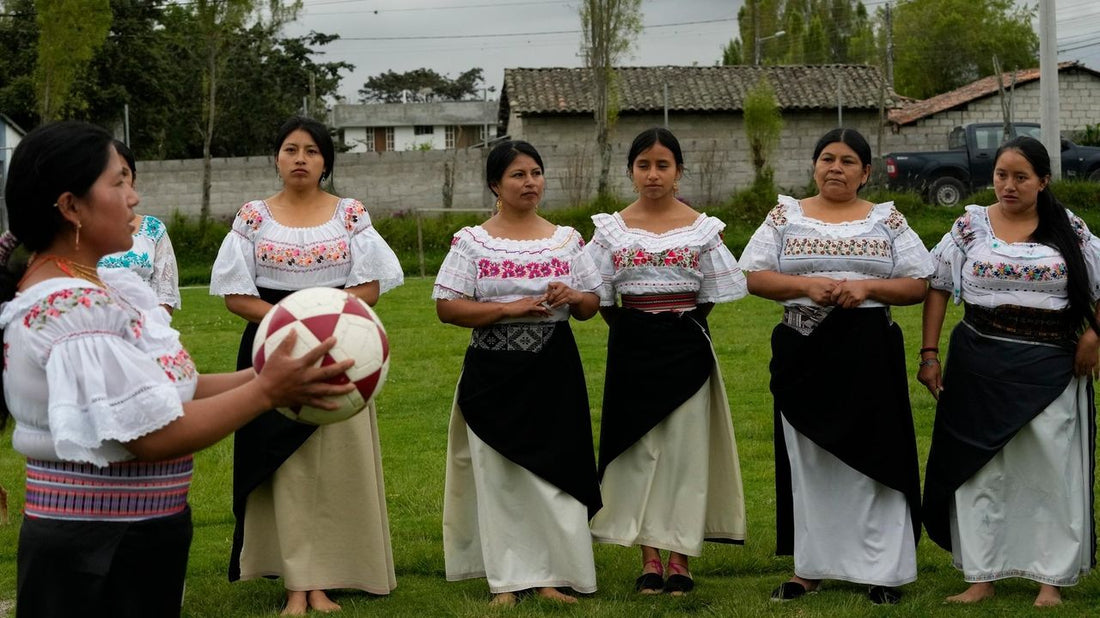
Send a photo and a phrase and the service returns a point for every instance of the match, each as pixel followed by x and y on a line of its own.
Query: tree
pixel 18 34
pixel 763 125
pixel 814 32
pixel 944 44
pixel 69 34
pixel 609 28
pixel 420 85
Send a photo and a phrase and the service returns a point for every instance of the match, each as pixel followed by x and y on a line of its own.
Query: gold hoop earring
pixel 675 187
pixel 499 203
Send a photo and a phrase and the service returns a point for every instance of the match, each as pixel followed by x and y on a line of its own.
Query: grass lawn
pixel 413 410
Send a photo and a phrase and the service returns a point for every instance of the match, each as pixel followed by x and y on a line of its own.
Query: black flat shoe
pixel 679 584
pixel 788 591
pixel 884 595
pixel 649 583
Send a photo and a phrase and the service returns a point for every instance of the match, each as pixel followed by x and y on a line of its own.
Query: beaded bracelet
pixel 928 362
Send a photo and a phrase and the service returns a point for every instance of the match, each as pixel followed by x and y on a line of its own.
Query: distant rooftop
pixel 408 114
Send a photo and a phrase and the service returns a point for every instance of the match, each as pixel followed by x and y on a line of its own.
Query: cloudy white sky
pixel 451 36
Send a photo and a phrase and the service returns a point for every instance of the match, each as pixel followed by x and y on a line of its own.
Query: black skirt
pixel 523 393
pixel 261 446
pixel 655 363
pixel 844 386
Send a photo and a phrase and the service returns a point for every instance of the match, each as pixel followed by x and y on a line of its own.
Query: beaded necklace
pixel 65 265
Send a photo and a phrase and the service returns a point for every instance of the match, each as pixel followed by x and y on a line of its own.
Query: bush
pixel 196 246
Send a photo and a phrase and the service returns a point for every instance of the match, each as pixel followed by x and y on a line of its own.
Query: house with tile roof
pixel 924 125
pixel 552 109
pixel 10 134
pixel 437 125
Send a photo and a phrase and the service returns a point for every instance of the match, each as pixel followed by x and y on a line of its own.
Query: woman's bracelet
pixel 929 349
pixel 928 362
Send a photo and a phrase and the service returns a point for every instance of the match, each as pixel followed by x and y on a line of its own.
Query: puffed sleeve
pixel 586 276
pixel 234 270
pixel 127 395
pixel 911 257
pixel 949 255
pixel 457 276
pixel 723 280
pixel 762 252
pixel 166 278
pixel 600 251
pixel 1090 251
pixel 372 259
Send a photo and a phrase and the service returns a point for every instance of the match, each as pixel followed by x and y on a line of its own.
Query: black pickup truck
pixel 946 177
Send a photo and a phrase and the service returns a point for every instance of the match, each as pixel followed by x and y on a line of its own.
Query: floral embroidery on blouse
pixel 131 259
pixel 62 302
pixel 152 227
pixel 352 213
pixel 178 366
pixel 454 240
pixel 778 215
pixel 251 216
pixel 508 269
pixel 333 252
pixel 895 220
pixel 964 229
pixel 1080 229
pixel 682 257
pixel 1019 272
pixel 858 247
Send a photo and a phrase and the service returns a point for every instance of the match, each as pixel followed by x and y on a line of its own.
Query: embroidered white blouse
pixel 88 368
pixel 687 259
pixel 344 251
pixel 881 245
pixel 489 269
pixel 153 259
pixel 976 266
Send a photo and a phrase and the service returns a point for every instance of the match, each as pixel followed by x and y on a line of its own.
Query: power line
pixel 437 37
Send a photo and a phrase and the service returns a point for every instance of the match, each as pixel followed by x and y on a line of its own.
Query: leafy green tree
pixel 18 36
pixel 763 126
pixel 420 85
pixel 609 28
pixel 814 32
pixel 944 44
pixel 69 34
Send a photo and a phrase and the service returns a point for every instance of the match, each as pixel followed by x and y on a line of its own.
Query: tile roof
pixel 699 89
pixel 984 87
pixel 408 114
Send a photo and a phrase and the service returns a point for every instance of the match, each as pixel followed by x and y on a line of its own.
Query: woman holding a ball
pixel 521 474
pixel 288 476
pixel 108 406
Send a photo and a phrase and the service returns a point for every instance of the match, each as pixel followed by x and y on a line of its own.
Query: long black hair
pixel 647 139
pixel 63 157
pixel 320 136
pixel 502 155
pixel 1054 228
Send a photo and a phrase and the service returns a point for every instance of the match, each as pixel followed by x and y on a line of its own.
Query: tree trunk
pixel 208 133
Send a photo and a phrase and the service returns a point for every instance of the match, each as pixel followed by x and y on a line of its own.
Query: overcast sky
pixel 452 36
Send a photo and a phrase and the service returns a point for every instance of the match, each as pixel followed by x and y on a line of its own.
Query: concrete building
pixel 10 134
pixel 439 125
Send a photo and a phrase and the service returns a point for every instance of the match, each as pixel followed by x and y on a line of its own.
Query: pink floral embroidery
pixel 1019 272
pixel 858 247
pixel 508 269
pixel 62 302
pixel 778 215
pixel 353 212
pixel 454 240
pixel 178 366
pixel 275 254
pixel 251 216
pixel 678 257
pixel 895 220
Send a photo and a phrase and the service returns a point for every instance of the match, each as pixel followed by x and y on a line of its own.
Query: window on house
pixel 449 136
pixel 389 138
pixel 423 129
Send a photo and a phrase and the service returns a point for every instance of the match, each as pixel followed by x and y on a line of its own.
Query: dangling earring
pixel 499 203
pixel 675 187
pixel 633 186
pixel 76 244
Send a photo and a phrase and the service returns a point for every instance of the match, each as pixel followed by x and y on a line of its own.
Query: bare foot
pixel 809 584
pixel 296 604
pixel 319 601
pixel 556 595
pixel 973 594
pixel 1049 596
pixel 504 599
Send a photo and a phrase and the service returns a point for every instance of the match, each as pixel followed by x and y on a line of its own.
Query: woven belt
pixel 513 336
pixel 659 302
pixel 805 318
pixel 1027 323
pixel 125 491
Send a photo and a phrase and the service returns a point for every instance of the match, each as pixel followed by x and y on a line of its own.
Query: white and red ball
pixel 317 314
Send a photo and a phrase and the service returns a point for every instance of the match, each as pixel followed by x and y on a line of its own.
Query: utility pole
pixel 889 47
pixel 1048 86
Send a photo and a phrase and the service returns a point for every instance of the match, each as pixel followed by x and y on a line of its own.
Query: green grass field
pixel 413 411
